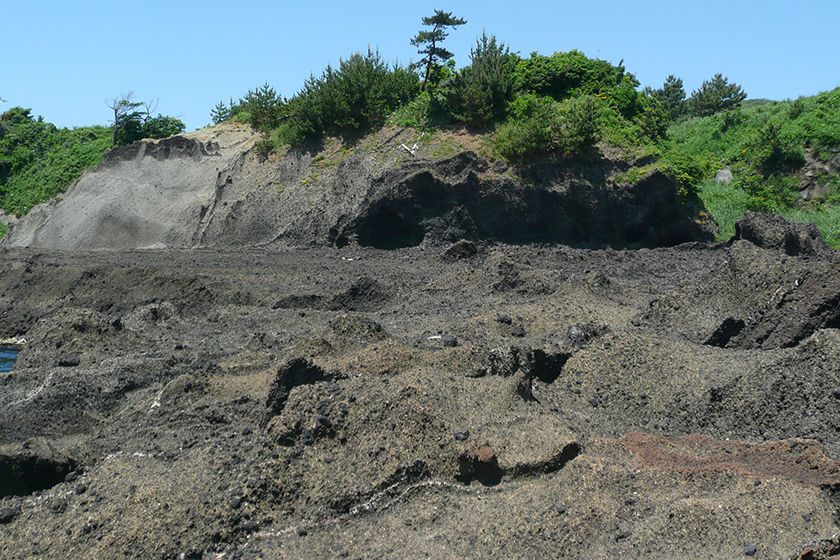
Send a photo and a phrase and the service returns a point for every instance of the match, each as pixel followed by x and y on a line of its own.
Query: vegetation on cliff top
pixel 784 156
pixel 567 104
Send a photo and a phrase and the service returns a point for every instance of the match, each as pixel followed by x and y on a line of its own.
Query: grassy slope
pixel 68 153
pixel 764 179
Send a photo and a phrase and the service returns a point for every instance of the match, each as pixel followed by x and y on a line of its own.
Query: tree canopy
pixel 715 95
pixel 429 42
pixel 133 121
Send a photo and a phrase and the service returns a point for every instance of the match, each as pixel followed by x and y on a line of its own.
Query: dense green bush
pixel 262 108
pixel 527 134
pixel 777 151
pixel 133 121
pixel 483 89
pixel 653 119
pixel 356 97
pixel 541 127
pixel 572 74
pixel 38 160
pixel 162 126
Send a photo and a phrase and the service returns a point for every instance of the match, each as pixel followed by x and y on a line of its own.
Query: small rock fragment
pixel 479 463
pixel 518 331
pixel 449 341
pixel 504 318
pixel 462 435
pixel 7 514
pixel 750 549
pixel 462 249
pixel 68 360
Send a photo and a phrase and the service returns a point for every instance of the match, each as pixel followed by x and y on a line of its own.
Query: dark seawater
pixel 8 357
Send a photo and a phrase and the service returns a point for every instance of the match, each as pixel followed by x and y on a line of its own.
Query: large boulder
pixel 771 231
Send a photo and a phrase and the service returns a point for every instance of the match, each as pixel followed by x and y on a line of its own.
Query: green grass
pixel 827 220
pixel 725 204
pixel 765 144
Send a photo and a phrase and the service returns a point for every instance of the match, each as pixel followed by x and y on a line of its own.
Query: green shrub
pixel 162 127
pixel 541 127
pixel 684 170
pixel 571 74
pixel 777 151
pixel 3 231
pixel 262 108
pixel 289 133
pixel 485 87
pixel 415 113
pixel 574 128
pixel 520 141
pixel 653 118
pixel 356 97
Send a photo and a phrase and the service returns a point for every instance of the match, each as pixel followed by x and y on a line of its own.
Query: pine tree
pixel 429 42
pixel 220 112
pixel 715 95
pixel 672 97
pixel 486 85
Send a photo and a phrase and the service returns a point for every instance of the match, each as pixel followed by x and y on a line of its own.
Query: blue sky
pixel 63 58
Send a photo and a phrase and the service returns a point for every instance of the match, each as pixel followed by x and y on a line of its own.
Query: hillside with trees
pixel 39 160
pixel 521 110
pixel 549 107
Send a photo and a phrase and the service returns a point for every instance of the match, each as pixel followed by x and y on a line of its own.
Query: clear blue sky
pixel 64 58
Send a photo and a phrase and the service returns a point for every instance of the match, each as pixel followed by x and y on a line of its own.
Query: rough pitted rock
pixel 667 403
pixel 772 231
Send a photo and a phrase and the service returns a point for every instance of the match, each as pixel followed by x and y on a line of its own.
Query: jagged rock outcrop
pixel 211 189
pixel 772 231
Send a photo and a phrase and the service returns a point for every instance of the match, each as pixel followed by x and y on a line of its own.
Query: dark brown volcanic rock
pixel 309 404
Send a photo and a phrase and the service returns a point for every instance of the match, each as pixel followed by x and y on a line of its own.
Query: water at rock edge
pixel 8 357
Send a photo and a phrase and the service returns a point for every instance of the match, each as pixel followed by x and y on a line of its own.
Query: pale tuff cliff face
pixel 211 189
pixel 147 194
